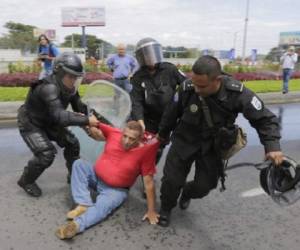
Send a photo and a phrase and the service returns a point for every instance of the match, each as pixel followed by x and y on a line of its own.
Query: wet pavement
pixel 242 217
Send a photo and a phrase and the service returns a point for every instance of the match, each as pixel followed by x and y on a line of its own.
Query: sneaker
pixel 67 231
pixel 76 212
pixel 184 202
pixel 164 218
pixel 30 188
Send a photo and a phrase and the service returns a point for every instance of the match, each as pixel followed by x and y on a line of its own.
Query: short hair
pixel 134 125
pixel 291 48
pixel 43 36
pixel 207 65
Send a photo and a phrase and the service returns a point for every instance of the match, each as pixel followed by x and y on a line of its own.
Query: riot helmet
pixel 148 52
pixel 68 70
pixel 282 182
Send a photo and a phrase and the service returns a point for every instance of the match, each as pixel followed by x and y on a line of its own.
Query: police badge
pixel 193 108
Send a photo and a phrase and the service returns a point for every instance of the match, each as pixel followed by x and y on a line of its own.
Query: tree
pixel 274 54
pixel 94 45
pixel 20 36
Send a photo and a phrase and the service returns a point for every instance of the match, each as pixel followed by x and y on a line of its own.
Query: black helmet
pixel 148 52
pixel 282 182
pixel 68 62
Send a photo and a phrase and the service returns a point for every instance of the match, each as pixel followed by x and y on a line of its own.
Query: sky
pixel 202 24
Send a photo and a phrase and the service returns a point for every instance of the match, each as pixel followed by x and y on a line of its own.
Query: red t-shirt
pixel 120 168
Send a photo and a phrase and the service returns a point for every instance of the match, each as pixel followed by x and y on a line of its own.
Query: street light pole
pixel 245 32
pixel 234 39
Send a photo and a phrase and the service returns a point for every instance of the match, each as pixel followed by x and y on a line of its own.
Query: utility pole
pixel 234 39
pixel 83 41
pixel 245 32
pixel 102 51
pixel 72 41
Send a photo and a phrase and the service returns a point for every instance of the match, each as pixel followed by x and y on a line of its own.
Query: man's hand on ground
pixel 152 217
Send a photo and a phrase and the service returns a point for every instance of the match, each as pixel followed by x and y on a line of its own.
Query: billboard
pixel 50 33
pixel 83 16
pixel 289 38
pixel 253 56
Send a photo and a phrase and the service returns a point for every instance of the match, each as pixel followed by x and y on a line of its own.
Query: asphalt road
pixel 242 217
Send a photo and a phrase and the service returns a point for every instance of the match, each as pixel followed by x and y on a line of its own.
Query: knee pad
pixel 45 158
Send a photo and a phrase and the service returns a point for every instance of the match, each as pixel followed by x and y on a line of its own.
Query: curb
pixel 8 110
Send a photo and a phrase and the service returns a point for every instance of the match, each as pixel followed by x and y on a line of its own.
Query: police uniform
pixel 194 141
pixel 44 118
pixel 151 93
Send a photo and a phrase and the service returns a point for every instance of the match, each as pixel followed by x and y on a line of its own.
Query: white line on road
pixel 253 192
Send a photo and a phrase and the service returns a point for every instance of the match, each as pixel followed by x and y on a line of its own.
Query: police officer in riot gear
pixel 194 141
pixel 154 85
pixel 43 118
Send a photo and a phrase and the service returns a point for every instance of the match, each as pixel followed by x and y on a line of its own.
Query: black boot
pixel 184 202
pixel 164 218
pixel 30 188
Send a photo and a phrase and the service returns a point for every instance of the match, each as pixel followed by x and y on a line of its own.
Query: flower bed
pixel 25 79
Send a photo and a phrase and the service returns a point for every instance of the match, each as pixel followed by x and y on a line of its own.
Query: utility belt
pixel 228 140
pixel 121 78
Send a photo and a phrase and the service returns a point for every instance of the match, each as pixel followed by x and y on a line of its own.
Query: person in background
pixel 288 61
pixel 46 54
pixel 123 66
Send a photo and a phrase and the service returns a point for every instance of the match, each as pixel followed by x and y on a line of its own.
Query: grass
pixel 19 93
pixel 263 86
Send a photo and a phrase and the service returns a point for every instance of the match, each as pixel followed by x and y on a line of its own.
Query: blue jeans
pixel 108 198
pixel 286 75
pixel 124 84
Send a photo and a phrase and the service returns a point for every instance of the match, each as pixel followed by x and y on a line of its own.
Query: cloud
pixel 190 23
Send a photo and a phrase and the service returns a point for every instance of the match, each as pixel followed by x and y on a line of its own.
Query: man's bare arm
pixel 151 214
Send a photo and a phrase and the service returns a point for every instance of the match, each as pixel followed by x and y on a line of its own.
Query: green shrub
pixel 184 67
pixel 21 67
pixel 92 65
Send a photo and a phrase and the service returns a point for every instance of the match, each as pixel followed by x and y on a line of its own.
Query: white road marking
pixel 253 192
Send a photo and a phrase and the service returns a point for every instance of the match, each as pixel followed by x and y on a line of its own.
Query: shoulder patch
pixel 256 103
pixel 234 85
pixel 187 85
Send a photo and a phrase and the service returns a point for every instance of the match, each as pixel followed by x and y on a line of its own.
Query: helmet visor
pixel 149 54
pixel 72 82
pixel 73 72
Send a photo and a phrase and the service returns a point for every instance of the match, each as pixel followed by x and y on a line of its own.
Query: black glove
pixel 100 117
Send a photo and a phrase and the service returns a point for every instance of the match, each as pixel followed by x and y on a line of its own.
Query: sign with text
pixel 83 16
pixel 289 38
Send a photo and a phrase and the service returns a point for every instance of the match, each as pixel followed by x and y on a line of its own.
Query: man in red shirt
pixel 127 154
